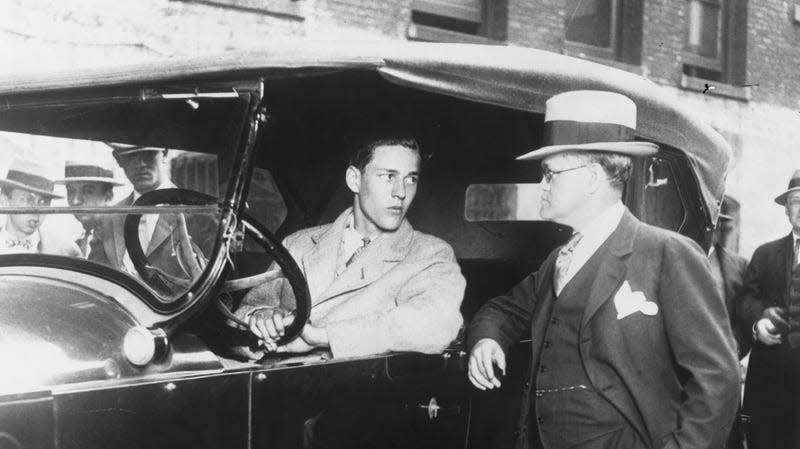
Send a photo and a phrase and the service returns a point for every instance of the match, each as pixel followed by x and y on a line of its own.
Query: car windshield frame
pixel 229 109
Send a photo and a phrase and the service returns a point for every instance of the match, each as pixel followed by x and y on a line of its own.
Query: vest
pixel 568 409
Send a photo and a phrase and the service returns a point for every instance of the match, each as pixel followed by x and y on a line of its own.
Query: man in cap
pixel 166 239
pixel 630 338
pixel 89 185
pixel 27 185
pixel 770 308
pixel 376 284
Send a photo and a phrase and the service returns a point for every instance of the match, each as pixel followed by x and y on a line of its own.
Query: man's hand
pixel 484 355
pixel 772 324
pixel 269 325
pixel 766 332
pixel 312 337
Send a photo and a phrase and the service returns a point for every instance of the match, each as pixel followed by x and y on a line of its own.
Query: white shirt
pixel 795 237
pixel 6 239
pixel 147 225
pixel 593 236
pixel 352 240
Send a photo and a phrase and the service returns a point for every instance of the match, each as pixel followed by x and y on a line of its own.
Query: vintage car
pixel 98 356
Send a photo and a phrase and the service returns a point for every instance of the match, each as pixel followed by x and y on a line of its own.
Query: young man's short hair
pixel 362 155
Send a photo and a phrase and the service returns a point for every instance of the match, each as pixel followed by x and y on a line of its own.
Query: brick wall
pixel 774 52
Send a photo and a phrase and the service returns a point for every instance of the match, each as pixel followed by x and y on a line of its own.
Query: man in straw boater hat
pixel 631 342
pixel 770 309
pixel 89 185
pixel 27 185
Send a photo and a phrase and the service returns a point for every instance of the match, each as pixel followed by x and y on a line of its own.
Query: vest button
pixel 543 369
pixel 554 320
pixel 546 344
pixel 540 420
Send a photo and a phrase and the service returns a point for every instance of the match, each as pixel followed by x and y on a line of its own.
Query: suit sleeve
pixel 505 319
pixel 752 301
pixel 271 294
pixel 699 334
pixel 426 319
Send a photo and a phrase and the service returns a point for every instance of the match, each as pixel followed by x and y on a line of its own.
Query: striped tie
pixel 563 261
pixel 359 250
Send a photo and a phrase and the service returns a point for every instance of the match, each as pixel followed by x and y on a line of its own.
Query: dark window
pixel 714 49
pixel 458 20
pixel 609 29
pixel 593 22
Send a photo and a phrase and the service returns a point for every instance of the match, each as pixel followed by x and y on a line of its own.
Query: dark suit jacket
pixel 164 249
pixel 733 270
pixel 766 284
pixel 673 375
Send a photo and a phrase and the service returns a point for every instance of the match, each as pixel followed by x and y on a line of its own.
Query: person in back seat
pixel 376 284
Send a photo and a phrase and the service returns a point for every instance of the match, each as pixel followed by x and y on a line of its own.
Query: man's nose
pixel 399 189
pixel 75 200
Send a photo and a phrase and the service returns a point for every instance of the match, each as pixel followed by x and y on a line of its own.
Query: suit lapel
pixel 378 257
pixel 612 270
pixel 319 264
pixel 785 255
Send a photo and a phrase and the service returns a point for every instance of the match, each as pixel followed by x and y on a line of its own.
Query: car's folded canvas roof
pixel 512 77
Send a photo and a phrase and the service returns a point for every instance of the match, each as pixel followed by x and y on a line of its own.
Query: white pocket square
pixel 628 302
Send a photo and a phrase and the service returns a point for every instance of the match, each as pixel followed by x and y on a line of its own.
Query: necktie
pixel 563 261
pixel 796 251
pixel 83 242
pixel 364 243
pixel 793 336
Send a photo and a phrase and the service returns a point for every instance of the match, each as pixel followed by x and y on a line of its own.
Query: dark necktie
pixel 563 262
pixel 359 250
pixel 83 242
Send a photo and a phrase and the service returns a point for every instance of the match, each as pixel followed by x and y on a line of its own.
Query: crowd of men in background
pixel 165 238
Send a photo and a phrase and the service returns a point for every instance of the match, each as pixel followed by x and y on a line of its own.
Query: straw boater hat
pixel 794 184
pixel 30 176
pixel 80 171
pixel 590 120
pixel 121 149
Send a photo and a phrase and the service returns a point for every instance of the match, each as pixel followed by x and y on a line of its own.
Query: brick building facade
pixel 748 51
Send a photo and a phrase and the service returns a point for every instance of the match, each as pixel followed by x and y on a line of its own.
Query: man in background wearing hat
pixel 89 185
pixel 770 308
pixel 26 185
pixel 166 239
pixel 631 342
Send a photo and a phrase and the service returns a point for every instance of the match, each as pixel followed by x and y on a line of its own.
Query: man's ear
pixel 353 179
pixel 598 176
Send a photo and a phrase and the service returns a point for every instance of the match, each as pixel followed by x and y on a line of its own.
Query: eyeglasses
pixel 547 174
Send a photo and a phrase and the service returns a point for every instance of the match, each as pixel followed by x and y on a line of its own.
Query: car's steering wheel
pixel 252 227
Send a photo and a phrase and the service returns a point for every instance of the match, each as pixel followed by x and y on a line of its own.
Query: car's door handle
pixel 436 411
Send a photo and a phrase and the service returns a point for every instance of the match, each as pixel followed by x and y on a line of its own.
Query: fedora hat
pixel 84 171
pixel 794 184
pixel 590 120
pixel 122 149
pixel 28 175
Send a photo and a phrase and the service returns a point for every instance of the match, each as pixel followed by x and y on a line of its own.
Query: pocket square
pixel 628 302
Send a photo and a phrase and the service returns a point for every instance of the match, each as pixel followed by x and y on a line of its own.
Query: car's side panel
pixel 382 401
pixel 209 412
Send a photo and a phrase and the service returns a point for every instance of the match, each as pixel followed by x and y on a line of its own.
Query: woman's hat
pixel 590 120
pixel 30 176
pixel 794 184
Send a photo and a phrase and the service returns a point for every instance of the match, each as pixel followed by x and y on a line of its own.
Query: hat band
pixel 568 132
pixel 30 180
pixel 81 171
